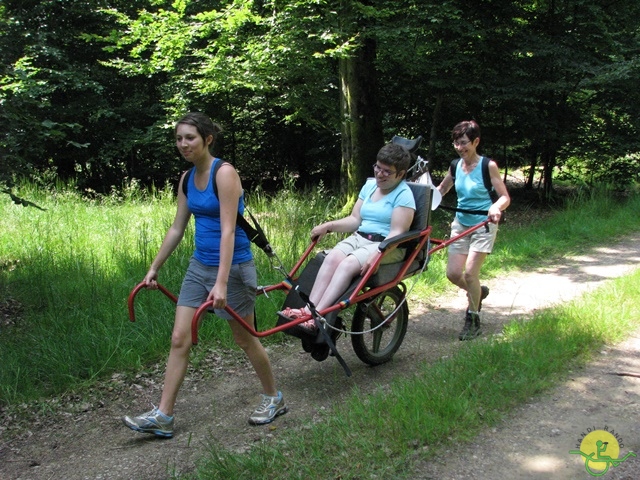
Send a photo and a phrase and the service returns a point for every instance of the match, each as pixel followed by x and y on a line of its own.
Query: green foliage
pixel 61 108
pixel 91 89
pixel 618 172
pixel 243 67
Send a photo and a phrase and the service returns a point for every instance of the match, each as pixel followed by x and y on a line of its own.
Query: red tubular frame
pixel 445 243
pixel 359 294
pixel 134 292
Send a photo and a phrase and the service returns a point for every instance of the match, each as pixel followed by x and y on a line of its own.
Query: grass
pixel 70 269
pixel 66 272
pixel 381 435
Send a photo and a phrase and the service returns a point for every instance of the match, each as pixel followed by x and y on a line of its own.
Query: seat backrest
pixel 422 196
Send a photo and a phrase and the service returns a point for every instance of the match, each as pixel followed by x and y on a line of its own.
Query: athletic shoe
pixel 471 327
pixel 268 410
pixel 154 422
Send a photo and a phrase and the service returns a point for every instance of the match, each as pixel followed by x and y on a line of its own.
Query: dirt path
pixel 534 441
pixel 88 441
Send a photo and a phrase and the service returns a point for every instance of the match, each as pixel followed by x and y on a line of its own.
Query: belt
pixel 374 237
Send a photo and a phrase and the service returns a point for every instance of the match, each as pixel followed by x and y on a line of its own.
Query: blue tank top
pixel 472 195
pixel 205 207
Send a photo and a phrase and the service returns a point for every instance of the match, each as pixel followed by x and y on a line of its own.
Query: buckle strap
pixel 374 237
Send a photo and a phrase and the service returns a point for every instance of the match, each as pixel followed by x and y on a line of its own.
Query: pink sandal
pixel 293 313
pixel 309 325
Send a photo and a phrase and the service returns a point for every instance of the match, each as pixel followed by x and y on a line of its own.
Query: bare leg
pixel 325 275
pixel 256 354
pixel 342 277
pixel 455 269
pixel 472 278
pixel 464 271
pixel 178 359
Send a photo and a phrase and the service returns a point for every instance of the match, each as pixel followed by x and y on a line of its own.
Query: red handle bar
pixel 134 292
pixel 445 243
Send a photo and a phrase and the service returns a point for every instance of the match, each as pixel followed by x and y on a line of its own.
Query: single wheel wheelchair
pixel 375 303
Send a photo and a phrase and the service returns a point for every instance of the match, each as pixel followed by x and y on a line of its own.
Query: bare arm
pixel 172 238
pixel 495 211
pixel 401 219
pixel 347 224
pixel 446 184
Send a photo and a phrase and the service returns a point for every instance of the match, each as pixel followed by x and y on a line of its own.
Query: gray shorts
pixel 241 289
pixel 479 241
pixel 361 248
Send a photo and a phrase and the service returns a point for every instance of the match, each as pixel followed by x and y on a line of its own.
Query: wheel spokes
pixel 378 315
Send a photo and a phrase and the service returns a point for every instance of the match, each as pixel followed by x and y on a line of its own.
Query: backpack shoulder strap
pixel 185 181
pixel 486 176
pixel 216 167
pixel 453 167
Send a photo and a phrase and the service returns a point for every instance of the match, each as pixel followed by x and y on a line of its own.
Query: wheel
pixel 378 346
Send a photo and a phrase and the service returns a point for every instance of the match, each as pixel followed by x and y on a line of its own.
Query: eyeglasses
pixel 461 143
pixel 383 171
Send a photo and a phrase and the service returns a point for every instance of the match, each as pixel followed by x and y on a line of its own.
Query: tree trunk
pixel 549 165
pixel 533 163
pixel 362 134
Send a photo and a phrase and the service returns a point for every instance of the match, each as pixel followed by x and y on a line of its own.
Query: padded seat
pixel 421 217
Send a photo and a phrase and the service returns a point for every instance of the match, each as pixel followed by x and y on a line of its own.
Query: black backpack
pixel 255 233
pixel 486 179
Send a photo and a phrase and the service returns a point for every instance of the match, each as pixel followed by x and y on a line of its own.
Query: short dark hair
pixel 394 155
pixel 203 124
pixel 469 128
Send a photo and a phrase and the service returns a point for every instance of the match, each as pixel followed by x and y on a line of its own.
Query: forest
pixel 308 90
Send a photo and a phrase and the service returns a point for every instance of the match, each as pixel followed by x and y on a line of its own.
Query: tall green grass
pixel 72 266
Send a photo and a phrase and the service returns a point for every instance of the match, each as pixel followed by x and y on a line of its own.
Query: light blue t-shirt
pixel 376 216
pixel 472 194
pixel 205 207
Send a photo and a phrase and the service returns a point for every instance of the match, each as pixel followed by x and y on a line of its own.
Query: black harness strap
pixel 373 237
pixel 464 210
